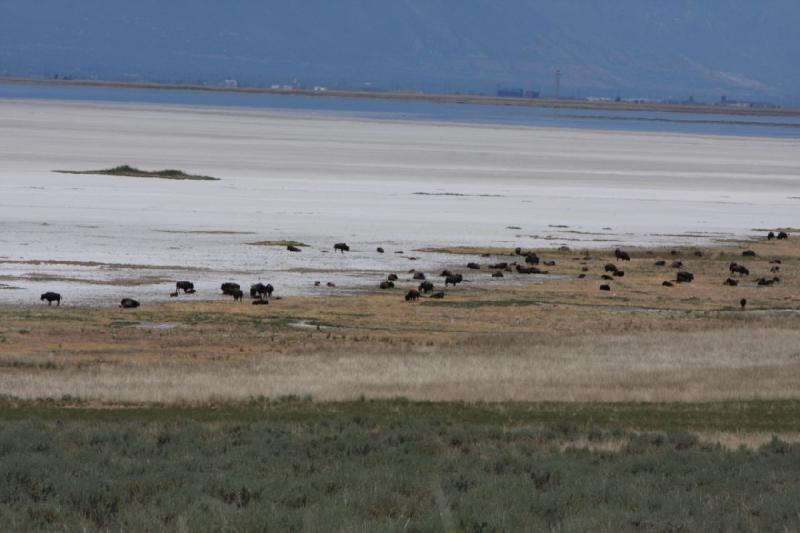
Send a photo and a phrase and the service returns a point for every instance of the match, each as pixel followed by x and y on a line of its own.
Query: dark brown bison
pixel 619 273
pixel 677 264
pixel 743 303
pixel 392 277
pixel 228 288
pixel 730 282
pixel 419 275
pixel 748 253
pixel 581 276
pixel 412 296
pixel 261 302
pixel 770 235
pixel 738 269
pixel 184 286
pixel 605 287
pixel 768 281
pixel 51 297
pixel 259 290
pixel 532 259
pixel 667 284
pixel 453 280
pixel 684 277
pixel 446 273
pixel 529 270
pixel 473 266
pixel 783 235
pixel 293 248
pixel 497 274
pixel 622 256
pixel 606 277
pixel 438 295
pixel 775 269
pixel 128 303
pixel 379 250
pixel 549 263
pixel 660 263
pixel 387 285
pixel 342 247
pixel 611 267
pixel 498 266
pixel 425 287
pixel 237 295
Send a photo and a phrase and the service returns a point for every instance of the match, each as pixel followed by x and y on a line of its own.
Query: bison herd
pixel 261 293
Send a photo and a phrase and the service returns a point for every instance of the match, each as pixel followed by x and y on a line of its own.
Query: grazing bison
pixel 412 295
pixel 730 282
pixel 770 235
pixel 622 256
pixel 782 236
pixel 51 297
pixel 260 302
pixel 738 269
pixel 229 288
pixel 767 281
pixel 660 263
pixel 611 267
pixel 184 286
pixel 581 276
pixel 605 287
pixel 619 273
pixel 425 287
pixel 529 270
pixel 387 285
pixel 237 295
pixel 748 253
pixel 667 284
pixel 342 247
pixel 293 248
pixel 549 263
pixel 498 266
pixel 128 303
pixel 606 277
pixel 743 303
pixel 532 259
pixel 497 274
pixel 392 277
pixel 379 250
pixel 453 280
pixel 419 275
pixel 677 264
pixel 331 284
pixel 438 295
pixel 259 290
pixel 684 277
pixel 473 266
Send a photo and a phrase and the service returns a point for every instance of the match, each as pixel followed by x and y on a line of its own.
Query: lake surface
pixel 643 121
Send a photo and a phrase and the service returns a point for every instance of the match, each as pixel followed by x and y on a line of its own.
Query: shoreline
pixel 425 97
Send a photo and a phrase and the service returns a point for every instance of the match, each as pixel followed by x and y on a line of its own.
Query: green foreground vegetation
pixel 292 465
pixel 132 172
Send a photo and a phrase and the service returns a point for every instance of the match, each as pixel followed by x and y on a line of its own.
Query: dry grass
pixel 561 340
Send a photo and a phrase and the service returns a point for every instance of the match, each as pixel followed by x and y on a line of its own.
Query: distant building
pixel 230 83
pixel 724 102
pixel 504 92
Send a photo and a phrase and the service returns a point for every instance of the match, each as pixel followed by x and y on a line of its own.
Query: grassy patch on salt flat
pixel 394 466
pixel 279 243
pixel 132 172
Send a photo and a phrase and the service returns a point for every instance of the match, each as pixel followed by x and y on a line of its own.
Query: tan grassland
pixel 562 340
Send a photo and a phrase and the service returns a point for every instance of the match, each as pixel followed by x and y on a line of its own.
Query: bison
pixel 51 297
pixel 412 295
pixel 748 253
pixel 387 285
pixel 619 273
pixel 730 282
pixel 770 235
pixel 445 273
pixel 782 236
pixel 611 267
pixel 261 302
pixel 667 284
pixel 498 266
pixel 497 274
pixel 379 250
pixel 473 266
pixel 622 256
pixel 549 263
pixel 392 277
pixel 605 287
pixel 438 295
pixel 606 277
pixel 419 275
pixel 532 259
pixel 342 247
pixel 676 264
pixel 738 269
pixel 237 295
pixel 293 248
pixel 425 287
pixel 743 303
pixel 184 286
pixel 128 303
pixel 259 290
pixel 684 277
pixel 660 263
pixel 229 288
pixel 453 280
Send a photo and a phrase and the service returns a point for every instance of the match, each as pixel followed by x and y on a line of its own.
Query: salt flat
pixel 322 179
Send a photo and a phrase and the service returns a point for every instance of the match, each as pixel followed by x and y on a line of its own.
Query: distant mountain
pixel 743 49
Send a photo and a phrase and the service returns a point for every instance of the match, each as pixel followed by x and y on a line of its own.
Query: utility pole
pixel 558 84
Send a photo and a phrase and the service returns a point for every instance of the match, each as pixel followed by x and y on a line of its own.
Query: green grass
pixel 292 465
pixel 129 171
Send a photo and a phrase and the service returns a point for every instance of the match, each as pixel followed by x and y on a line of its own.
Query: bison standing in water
pixel 342 247
pixel 186 286
pixel 129 303
pixel 51 297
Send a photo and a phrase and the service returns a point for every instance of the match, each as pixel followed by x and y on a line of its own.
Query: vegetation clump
pixel 133 172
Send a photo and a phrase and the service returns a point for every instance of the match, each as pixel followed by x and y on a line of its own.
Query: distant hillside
pixel 629 48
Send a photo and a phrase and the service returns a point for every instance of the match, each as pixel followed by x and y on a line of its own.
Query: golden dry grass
pixel 559 340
